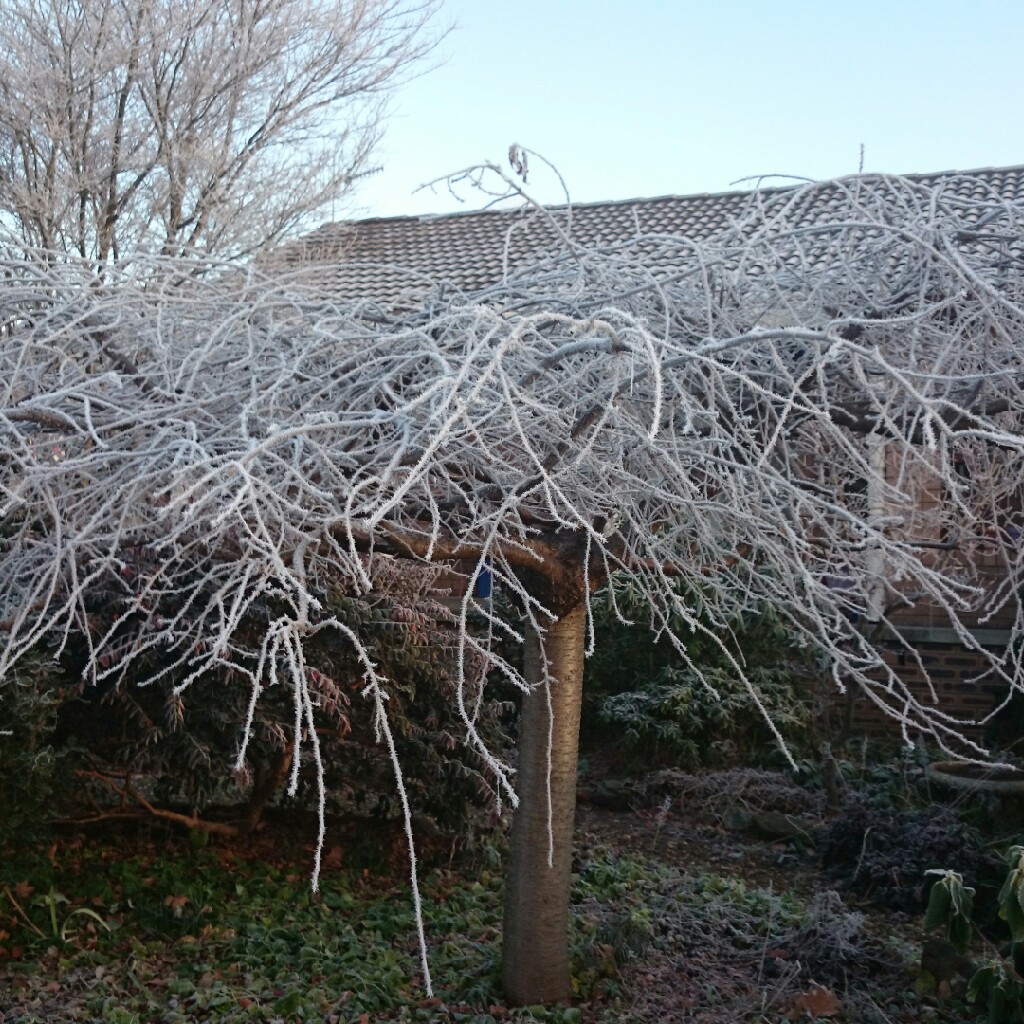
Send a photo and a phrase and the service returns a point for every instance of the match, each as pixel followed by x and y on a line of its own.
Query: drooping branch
pixel 705 425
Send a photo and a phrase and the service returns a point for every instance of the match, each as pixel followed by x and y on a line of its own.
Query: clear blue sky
pixel 651 97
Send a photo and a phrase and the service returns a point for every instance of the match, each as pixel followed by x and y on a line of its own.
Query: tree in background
pixel 751 420
pixel 189 126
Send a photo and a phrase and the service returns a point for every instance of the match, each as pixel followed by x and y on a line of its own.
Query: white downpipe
pixel 876 514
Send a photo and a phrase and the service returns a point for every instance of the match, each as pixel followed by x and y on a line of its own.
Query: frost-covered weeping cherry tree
pixel 748 420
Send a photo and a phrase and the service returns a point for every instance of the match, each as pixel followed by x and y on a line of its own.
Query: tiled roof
pixel 385 258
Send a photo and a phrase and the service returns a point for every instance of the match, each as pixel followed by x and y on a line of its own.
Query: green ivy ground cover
pixel 177 932
pixel 182 934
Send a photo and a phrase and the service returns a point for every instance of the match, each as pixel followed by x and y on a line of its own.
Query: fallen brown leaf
pixel 816 1002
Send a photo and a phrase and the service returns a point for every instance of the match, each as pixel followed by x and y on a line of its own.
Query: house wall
pixel 964 686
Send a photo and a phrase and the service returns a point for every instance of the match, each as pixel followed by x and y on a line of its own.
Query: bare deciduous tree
pixel 755 417
pixel 184 126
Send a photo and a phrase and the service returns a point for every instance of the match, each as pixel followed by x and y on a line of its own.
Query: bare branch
pixel 181 126
pixel 711 419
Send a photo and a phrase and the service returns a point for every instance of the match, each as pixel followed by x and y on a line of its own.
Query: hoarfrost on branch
pixel 187 126
pixel 651 412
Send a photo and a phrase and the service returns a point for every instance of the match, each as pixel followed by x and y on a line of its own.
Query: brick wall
pixel 963 683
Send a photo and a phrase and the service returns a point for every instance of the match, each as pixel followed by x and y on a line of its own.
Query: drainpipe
pixel 876 514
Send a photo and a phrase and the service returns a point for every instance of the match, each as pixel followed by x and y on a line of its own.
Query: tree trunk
pixel 535 949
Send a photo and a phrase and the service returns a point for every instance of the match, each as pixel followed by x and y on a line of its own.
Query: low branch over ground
pixel 707 429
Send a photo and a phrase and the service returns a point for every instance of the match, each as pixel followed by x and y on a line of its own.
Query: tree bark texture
pixel 535 950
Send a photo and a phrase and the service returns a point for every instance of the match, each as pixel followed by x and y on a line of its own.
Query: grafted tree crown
pixel 593 419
